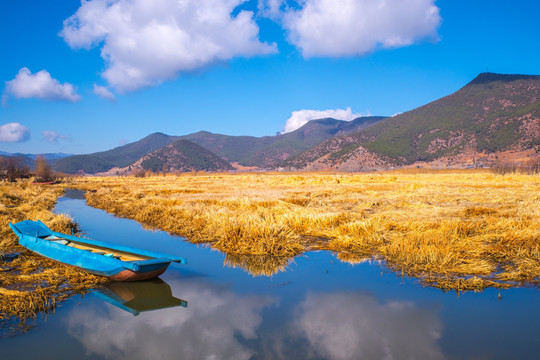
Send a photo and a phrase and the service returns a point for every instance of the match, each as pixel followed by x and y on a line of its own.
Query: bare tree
pixel 532 166
pixel 13 168
pixel 43 170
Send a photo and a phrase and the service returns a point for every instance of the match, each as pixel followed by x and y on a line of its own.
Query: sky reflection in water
pixel 320 308
pixel 222 324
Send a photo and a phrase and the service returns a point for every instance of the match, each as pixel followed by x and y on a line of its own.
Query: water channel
pixel 319 308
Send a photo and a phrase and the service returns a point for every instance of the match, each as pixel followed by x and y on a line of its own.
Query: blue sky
pixel 83 77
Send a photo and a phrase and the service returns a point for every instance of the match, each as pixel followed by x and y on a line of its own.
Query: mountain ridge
pixel 492 114
pixel 262 152
pixel 270 151
pixel 120 156
pixel 181 156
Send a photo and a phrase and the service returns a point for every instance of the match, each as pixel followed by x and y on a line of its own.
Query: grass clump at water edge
pixel 31 284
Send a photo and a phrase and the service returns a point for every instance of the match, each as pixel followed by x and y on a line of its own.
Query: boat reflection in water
pixel 137 297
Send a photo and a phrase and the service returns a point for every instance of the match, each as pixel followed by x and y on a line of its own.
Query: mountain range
pixel 242 151
pixel 493 118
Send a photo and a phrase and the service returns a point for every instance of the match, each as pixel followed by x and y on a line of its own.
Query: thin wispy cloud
pixel 330 28
pixel 14 132
pixel 104 93
pixel 40 85
pixel 147 42
pixel 301 117
pixel 53 137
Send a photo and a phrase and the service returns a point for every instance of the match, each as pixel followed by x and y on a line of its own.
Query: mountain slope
pixel 231 148
pixel 182 156
pixel 266 152
pixel 270 151
pixel 493 113
pixel 127 154
pixel 121 156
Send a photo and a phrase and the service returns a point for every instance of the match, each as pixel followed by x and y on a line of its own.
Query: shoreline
pixel 467 230
pixel 31 284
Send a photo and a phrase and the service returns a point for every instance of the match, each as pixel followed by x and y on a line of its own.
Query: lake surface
pixel 319 308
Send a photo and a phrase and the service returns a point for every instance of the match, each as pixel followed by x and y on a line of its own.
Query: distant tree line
pixel 14 167
pixel 531 167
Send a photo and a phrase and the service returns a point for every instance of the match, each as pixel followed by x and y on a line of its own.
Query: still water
pixel 319 308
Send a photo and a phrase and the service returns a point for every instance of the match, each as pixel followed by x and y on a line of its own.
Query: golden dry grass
pixel 462 230
pixel 31 284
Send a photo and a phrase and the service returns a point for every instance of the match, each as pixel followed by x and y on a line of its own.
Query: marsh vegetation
pixel 455 230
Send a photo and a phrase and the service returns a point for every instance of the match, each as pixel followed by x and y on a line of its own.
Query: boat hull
pixel 118 274
pixel 129 275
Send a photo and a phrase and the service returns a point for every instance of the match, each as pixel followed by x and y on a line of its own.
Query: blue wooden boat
pixel 117 262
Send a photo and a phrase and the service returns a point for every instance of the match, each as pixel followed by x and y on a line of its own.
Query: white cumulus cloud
pixel 145 42
pixel 14 132
pixel 104 93
pixel 272 9
pixel 301 117
pixel 39 85
pixel 355 27
pixel 53 137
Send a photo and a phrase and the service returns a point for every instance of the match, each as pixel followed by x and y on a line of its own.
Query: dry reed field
pixel 31 284
pixel 461 230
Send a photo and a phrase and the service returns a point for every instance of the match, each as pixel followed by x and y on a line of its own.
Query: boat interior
pixel 116 254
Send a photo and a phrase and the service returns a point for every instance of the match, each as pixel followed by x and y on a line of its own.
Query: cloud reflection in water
pixel 221 324
pixel 357 326
pixel 208 329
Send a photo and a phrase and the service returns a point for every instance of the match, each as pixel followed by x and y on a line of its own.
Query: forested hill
pixel 492 114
